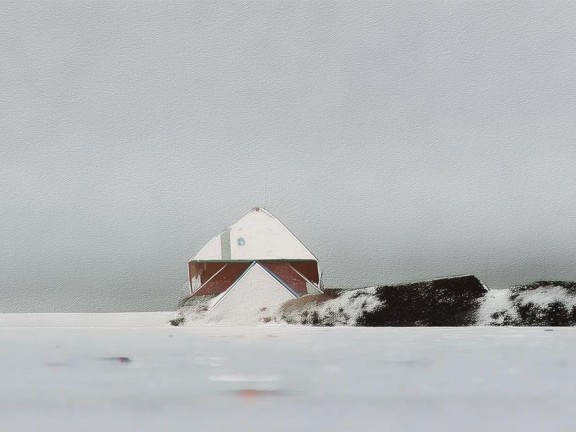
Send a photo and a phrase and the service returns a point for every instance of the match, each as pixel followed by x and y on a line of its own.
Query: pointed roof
pixel 256 294
pixel 256 236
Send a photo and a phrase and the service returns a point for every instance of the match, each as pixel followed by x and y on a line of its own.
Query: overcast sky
pixel 398 140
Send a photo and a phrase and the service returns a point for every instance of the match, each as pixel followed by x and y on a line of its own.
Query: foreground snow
pixel 114 320
pixel 280 378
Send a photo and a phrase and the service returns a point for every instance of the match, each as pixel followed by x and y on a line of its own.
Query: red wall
pixel 287 274
pixel 222 281
pixel 228 273
pixel 308 268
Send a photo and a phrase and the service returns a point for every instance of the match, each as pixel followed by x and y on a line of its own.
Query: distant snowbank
pixel 87 320
pixel 449 301
pixel 323 310
pixel 493 302
pixel 543 303
pixel 460 301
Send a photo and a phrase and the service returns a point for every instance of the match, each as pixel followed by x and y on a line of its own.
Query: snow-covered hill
pixel 543 303
pixel 454 301
pixel 459 301
pixel 330 309
pixel 440 302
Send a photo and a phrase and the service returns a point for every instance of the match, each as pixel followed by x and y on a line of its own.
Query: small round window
pixel 241 241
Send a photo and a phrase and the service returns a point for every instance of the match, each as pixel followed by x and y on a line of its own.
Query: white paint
pixel 253 297
pixel 256 236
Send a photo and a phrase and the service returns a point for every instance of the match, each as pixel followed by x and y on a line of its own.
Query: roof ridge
pixel 271 273
pixel 266 238
pixel 250 267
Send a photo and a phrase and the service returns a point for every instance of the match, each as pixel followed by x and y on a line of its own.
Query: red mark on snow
pixel 251 393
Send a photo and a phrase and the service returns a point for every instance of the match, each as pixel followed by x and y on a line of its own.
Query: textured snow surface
pixel 494 301
pixel 508 300
pixel 256 236
pixel 126 319
pixel 343 310
pixel 545 295
pixel 282 378
pixel 355 303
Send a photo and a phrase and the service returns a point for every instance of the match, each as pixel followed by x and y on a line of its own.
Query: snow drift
pixel 440 302
pixel 455 301
pixel 542 303
pixel 459 301
pixel 330 308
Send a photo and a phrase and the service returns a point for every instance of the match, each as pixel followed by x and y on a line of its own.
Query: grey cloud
pixel 398 140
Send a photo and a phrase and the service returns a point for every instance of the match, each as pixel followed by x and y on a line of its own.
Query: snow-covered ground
pixel 114 320
pixel 116 372
pixel 342 310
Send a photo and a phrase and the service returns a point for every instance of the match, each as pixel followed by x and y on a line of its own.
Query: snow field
pixel 283 378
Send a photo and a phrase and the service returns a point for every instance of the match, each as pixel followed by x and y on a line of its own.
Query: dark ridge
pixel 570 286
pixel 449 301
pixel 333 291
pixel 527 313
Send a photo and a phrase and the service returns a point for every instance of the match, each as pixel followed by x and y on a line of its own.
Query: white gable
pixel 253 297
pixel 256 236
